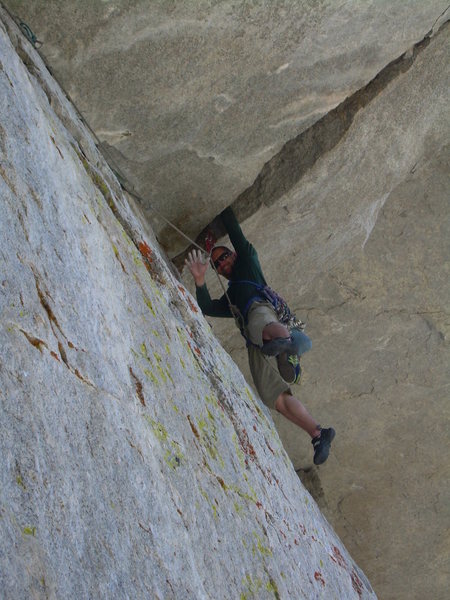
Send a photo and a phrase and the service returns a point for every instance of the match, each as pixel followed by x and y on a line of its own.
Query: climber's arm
pixel 197 264
pixel 210 307
pixel 237 238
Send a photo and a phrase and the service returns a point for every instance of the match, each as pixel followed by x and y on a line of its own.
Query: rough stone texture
pixel 135 461
pixel 360 246
pixel 192 98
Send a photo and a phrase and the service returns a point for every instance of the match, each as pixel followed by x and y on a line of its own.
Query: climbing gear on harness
pixel 322 444
pixel 30 35
pixel 289 367
pixel 280 305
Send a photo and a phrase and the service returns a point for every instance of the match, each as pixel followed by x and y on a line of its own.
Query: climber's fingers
pixel 195 257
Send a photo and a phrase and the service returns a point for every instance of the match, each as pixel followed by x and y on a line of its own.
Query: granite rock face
pixel 135 460
pixel 191 106
pixel 360 247
pixel 191 99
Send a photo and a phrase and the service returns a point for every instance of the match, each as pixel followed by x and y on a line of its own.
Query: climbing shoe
pixel 322 445
pixel 289 367
pixel 278 345
pixel 301 342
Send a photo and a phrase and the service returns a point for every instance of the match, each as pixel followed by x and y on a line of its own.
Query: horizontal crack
pixel 299 155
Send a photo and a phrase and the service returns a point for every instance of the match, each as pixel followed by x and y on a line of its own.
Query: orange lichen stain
pixel 318 577
pixel 259 505
pixel 147 255
pixel 139 393
pixel 192 306
pixel 296 542
pixel 146 251
pixel 194 349
pixel 337 557
pixel 270 448
pixel 357 583
pixel 55 355
pixel 70 345
pixel 34 341
pixel 254 428
pixel 138 384
pixel 193 427
pixel 79 375
pixel 302 528
pixel 246 445
pixel 222 483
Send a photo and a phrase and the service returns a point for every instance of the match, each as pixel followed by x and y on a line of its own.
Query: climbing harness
pixel 26 30
pixel 266 293
pixel 283 312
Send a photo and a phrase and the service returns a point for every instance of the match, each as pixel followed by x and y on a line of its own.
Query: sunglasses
pixel 221 258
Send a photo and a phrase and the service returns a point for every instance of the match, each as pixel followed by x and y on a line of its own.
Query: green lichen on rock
pixel 158 429
pixel 173 456
pixel 97 180
pixel 149 304
pixel 20 482
pixel 272 587
pixel 259 547
pixel 208 437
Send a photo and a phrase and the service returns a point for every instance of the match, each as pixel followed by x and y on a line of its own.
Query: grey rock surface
pixel 135 460
pixel 190 99
pixel 360 247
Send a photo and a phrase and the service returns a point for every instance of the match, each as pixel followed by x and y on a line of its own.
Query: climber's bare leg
pixel 291 408
pixel 274 330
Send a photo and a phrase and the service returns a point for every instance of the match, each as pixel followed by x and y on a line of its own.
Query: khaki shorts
pixel 264 370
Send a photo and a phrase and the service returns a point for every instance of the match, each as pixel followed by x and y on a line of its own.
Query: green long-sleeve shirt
pixel 246 267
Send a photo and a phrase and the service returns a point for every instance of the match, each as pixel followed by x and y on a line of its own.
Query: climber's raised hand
pixel 197 263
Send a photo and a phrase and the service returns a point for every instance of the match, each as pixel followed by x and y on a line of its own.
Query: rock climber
pixel 260 325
